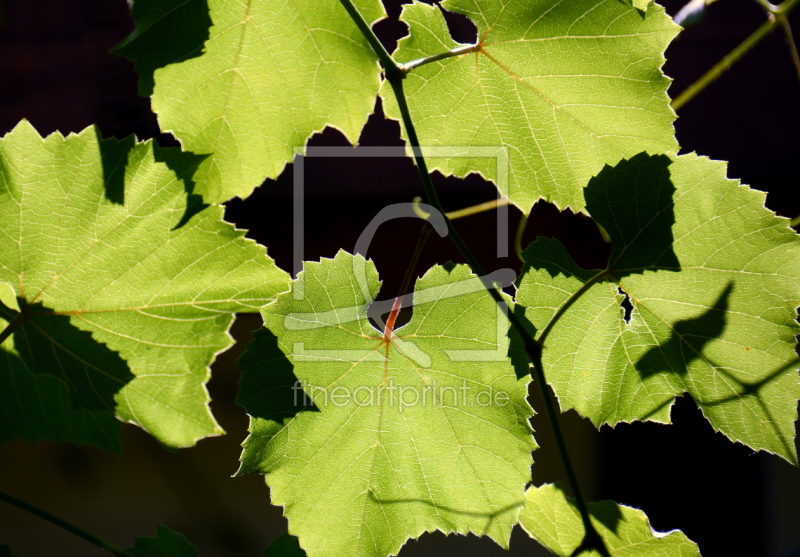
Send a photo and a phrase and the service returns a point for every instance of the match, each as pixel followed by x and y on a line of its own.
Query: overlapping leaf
pixel 552 519
pixel 714 280
pixel 166 543
pixel 36 407
pixel 125 286
pixel 284 545
pixel 272 74
pixel 426 432
pixel 564 87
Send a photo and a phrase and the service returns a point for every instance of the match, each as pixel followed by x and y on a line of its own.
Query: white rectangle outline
pixel 499 153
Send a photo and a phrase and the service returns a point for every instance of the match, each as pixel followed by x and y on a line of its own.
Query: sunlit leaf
pixel 426 432
pixel 552 519
pixel 714 280
pixel 270 75
pixel 563 87
pixel 125 285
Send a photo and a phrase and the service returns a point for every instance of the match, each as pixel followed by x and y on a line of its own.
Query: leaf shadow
pixel 633 202
pixel 752 389
pixel 38 407
pixel 491 516
pixel 183 164
pixel 273 390
pixel 167 32
pixel 606 513
pixel 114 157
pixel 48 343
pixel 692 334
pixel 517 351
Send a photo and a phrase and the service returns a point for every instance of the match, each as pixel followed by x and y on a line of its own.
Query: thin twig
pixel 779 14
pixel 787 30
pixel 99 542
pixel 532 347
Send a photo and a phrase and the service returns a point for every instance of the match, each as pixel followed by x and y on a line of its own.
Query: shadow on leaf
pixel 114 155
pixel 490 516
pixel 48 343
pixel 687 341
pixel 167 32
pixel 633 202
pixel 274 392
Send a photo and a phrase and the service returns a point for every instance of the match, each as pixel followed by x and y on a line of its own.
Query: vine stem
pixel 787 30
pixel 395 76
pixel 99 542
pixel 778 14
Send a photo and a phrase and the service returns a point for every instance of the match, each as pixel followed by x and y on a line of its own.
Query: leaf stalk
pixel 394 75
pixel 466 49
pixel 91 538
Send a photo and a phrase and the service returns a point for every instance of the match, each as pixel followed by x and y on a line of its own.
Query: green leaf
pixel 284 545
pixel 552 519
pixel 640 5
pixel 272 74
pixel 125 284
pixel 36 407
pixel 714 280
pixel 166 543
pixel 563 87
pixel 429 431
pixel 167 32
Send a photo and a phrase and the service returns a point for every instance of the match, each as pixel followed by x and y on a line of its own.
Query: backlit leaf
pixel 427 432
pixel 125 285
pixel 552 519
pixel 714 280
pixel 563 87
pixel 271 74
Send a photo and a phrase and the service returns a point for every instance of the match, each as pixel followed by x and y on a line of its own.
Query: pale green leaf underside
pixel 714 279
pixel 564 87
pixel 361 477
pixel 125 300
pixel 552 519
pixel 272 74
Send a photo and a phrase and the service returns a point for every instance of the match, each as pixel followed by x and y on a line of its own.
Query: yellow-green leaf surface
pixel 714 281
pixel 428 431
pixel 552 519
pixel 125 284
pixel 563 87
pixel 271 74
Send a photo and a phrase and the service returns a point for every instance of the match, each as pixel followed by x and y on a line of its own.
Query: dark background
pixel 55 71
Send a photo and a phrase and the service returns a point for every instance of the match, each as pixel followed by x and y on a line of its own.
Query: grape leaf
pixel 640 5
pixel 166 543
pixel 552 519
pixel 38 406
pixel 167 32
pixel 125 286
pixel 426 432
pixel 714 280
pixel 272 74
pixel 565 87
